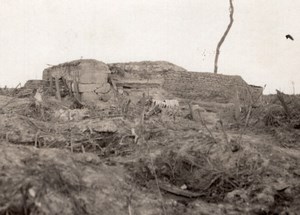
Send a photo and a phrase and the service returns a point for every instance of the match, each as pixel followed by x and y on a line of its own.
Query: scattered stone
pixel 198 108
pixel 288 191
pixel 183 187
pixel 297 172
pixel 266 199
pixel 71 115
pixel 97 125
pixel 105 97
pixel 32 192
pixel 240 196
pixel 280 186
pixel 234 146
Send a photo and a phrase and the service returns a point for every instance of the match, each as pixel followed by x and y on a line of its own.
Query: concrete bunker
pixel 92 81
pixel 86 80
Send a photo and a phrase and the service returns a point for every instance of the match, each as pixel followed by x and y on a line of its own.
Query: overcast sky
pixel 185 32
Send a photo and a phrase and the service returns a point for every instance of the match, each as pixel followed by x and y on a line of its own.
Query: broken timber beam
pixel 76 91
pixel 58 96
pixel 51 85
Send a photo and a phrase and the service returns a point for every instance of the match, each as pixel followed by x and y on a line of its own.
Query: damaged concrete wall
pixel 89 76
pixel 178 81
pixel 145 74
pixel 205 86
pixel 93 78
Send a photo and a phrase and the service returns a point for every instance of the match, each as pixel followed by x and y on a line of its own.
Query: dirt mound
pixel 57 182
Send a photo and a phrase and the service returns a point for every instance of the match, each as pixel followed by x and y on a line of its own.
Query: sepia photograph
pixel 149 107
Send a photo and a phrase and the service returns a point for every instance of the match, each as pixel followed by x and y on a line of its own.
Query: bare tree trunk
pixel 231 11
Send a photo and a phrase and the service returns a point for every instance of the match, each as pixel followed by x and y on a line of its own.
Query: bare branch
pixel 231 11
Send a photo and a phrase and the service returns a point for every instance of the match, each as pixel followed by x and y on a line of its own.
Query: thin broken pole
pixel 51 85
pixel 36 139
pixel 69 85
pixel 280 96
pixel 224 132
pixel 142 118
pixel 76 91
pixel 193 116
pixel 58 96
pixel 15 89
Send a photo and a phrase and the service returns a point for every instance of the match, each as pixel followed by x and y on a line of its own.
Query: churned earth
pixel 198 159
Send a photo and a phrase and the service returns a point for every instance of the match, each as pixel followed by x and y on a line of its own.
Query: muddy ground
pixel 61 158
